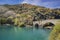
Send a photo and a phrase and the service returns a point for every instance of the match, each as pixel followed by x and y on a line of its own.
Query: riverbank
pixel 55 34
pixel 48 24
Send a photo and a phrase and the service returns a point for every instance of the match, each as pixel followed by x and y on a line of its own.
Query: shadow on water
pixel 24 28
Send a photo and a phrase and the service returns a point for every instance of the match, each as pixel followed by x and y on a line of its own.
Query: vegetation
pixel 55 34
pixel 25 14
pixel 2 20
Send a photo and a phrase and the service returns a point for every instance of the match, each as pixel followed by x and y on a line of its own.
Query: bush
pixel 55 34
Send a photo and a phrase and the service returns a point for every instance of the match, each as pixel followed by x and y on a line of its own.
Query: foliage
pixel 26 13
pixel 55 34
pixel 2 20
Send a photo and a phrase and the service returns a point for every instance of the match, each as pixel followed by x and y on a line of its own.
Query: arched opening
pixel 36 25
pixel 48 25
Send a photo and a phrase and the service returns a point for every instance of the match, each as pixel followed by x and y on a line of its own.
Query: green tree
pixel 3 20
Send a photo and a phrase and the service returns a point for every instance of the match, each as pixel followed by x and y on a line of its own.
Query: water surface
pixel 16 33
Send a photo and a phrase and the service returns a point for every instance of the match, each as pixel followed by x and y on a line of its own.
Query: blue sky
pixel 46 3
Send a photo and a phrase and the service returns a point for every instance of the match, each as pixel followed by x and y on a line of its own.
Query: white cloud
pixel 26 1
pixel 35 2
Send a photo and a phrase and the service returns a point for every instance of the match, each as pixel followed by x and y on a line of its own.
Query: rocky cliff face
pixel 27 13
pixel 38 12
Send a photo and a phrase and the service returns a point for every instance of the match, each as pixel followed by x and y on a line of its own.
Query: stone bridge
pixel 42 22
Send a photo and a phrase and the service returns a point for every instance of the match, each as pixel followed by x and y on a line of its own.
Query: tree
pixel 3 20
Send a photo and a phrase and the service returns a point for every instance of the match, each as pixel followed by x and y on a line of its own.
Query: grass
pixel 55 34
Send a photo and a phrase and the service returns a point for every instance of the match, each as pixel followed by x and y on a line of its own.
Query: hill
pixel 20 14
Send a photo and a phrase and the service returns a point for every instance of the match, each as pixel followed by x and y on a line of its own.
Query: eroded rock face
pixel 48 25
pixel 3 9
pixel 10 13
pixel 27 14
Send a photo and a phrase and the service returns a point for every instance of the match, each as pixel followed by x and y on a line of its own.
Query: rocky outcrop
pixel 48 25
pixel 26 14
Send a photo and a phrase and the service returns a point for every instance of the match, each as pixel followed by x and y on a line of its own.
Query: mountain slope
pixel 27 13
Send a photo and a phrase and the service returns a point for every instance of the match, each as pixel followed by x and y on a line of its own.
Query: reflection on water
pixel 16 33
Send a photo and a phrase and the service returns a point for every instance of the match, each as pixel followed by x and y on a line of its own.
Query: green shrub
pixel 55 34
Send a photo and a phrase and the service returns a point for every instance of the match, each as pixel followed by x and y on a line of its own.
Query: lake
pixel 17 33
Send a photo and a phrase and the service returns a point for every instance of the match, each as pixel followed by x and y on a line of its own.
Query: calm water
pixel 23 34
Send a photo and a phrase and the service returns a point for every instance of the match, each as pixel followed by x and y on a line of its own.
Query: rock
pixel 48 25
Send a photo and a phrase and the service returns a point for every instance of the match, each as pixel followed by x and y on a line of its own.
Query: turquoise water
pixel 16 33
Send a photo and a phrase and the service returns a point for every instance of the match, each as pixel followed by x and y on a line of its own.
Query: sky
pixel 45 3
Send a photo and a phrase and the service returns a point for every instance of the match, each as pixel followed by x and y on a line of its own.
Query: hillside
pixel 20 14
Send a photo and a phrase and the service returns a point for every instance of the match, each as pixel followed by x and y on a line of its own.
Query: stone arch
pixel 50 24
